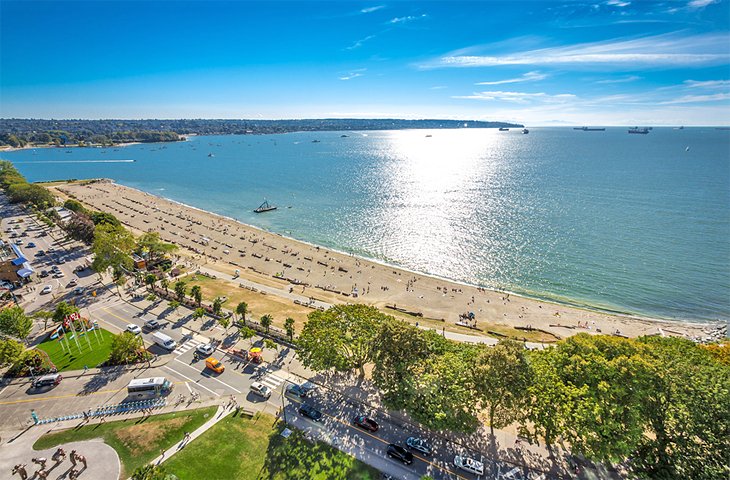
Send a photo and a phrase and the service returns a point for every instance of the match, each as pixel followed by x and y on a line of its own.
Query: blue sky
pixel 608 62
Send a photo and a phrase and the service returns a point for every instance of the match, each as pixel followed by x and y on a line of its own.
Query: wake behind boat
pixel 265 207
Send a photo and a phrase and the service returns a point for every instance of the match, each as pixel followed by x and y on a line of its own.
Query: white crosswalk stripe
pixel 272 381
pixel 187 345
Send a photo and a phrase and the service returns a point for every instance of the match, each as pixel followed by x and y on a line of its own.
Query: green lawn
pixel 73 360
pixel 136 440
pixel 239 447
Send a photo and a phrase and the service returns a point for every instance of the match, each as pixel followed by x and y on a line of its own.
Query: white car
pixel 205 349
pixel 469 465
pixel 47 289
pixel 132 328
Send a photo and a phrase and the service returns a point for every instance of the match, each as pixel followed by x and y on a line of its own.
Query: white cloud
pixel 698 99
pixel 359 43
pixel 438 87
pixel 406 19
pixel 697 4
pixel 668 50
pixel 526 77
pixel 517 97
pixel 707 83
pixel 627 79
pixel 353 74
pixel 372 9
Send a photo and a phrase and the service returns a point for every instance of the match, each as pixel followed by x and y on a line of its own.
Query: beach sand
pixel 332 276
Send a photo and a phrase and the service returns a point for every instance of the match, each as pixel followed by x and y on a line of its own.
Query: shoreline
pixel 565 317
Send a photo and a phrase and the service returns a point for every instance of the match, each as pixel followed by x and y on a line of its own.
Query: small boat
pixel 344 136
pixel 211 155
pixel 525 131
pixel 315 141
pixel 590 129
pixel 264 207
pixel 639 130
pixel 503 129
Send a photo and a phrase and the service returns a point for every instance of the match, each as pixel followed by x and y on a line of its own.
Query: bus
pixel 146 388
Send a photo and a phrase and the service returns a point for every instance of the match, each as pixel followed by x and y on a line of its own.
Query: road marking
pixel 56 397
pixel 187 345
pixel 190 379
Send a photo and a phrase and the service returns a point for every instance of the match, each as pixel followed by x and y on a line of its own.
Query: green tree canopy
pixel 63 310
pixel 180 290
pixel 217 305
pixel 242 310
pixel 15 323
pixel 112 248
pixel 342 337
pixel 10 351
pixel 501 379
pixel 155 249
pixel 197 293
pixel 126 348
pixel 266 321
pixel 289 327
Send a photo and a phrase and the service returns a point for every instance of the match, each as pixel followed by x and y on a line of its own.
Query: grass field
pixel 73 360
pixel 136 440
pixel 258 304
pixel 239 447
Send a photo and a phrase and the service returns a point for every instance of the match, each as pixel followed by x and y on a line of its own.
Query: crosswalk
pixel 187 345
pixel 272 381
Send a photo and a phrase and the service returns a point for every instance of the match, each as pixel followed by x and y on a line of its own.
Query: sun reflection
pixel 433 184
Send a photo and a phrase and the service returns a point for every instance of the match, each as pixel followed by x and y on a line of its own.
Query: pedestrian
pixel 86 368
pixel 73 457
pixel 187 436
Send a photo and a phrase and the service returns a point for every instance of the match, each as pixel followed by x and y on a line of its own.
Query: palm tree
pixel 217 305
pixel 164 282
pixel 289 326
pixel 266 321
pixel 150 280
pixel 197 294
pixel 242 310
pixel 180 290
pixel 199 313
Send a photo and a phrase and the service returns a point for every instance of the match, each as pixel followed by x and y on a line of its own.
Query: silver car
pixel 469 465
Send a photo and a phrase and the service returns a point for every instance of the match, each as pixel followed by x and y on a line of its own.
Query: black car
pixel 400 453
pixel 366 423
pixel 44 273
pixel 419 444
pixel 310 412
pixel 151 325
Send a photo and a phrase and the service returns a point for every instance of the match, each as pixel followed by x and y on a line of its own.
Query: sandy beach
pixel 336 277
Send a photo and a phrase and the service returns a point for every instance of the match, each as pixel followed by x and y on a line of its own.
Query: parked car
pixel 214 365
pixel 58 274
pixel 296 391
pixel 19 242
pixel 61 261
pixel 419 444
pixel 47 289
pixel 205 349
pixel 44 273
pixel 78 291
pixel 72 283
pixel 469 465
pixel 31 245
pixel 366 423
pixel 310 412
pixel 151 324
pixel 50 380
pixel 40 253
pixel 400 453
pixel 132 328
pixel 260 389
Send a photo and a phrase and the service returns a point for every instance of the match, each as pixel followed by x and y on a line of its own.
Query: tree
pixel 164 283
pixel 501 379
pixel 150 280
pixel 217 306
pixel 242 310
pixel 224 322
pixel 154 248
pixel 246 333
pixel 126 348
pixel 152 472
pixel 270 344
pixel 80 227
pixel 44 315
pixel 104 218
pixel 10 351
pixel 197 293
pixel 174 305
pixel 687 413
pixel 199 313
pixel 74 206
pixel 342 337
pixel 112 248
pixel 63 310
pixel 266 322
pixel 180 290
pixel 289 327
pixel 14 323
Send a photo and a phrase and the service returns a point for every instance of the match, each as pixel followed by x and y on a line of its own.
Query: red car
pixel 366 423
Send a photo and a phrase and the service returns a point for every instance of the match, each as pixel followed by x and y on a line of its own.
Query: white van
pixel 164 341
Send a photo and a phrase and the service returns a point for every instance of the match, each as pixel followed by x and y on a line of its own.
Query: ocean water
pixel 629 223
